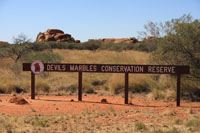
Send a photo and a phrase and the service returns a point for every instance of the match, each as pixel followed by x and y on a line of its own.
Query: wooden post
pixel 178 90
pixel 126 88
pixel 80 86
pixel 32 85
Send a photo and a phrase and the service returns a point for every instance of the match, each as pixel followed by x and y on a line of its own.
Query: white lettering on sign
pixel 126 69
pixel 53 67
pixel 83 68
pixel 161 69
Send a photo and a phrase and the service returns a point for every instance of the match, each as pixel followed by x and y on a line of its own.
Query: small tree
pixel 179 44
pixel 16 51
pixel 19 48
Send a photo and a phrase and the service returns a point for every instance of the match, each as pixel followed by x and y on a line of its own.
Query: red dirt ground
pixel 46 105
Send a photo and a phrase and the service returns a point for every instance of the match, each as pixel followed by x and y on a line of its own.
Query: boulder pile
pixel 55 35
pixel 120 40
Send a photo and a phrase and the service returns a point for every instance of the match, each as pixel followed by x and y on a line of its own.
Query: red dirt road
pixel 46 105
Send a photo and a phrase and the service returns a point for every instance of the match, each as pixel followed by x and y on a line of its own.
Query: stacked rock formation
pixel 120 40
pixel 55 35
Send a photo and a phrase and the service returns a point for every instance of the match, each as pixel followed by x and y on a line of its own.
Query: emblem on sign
pixel 37 67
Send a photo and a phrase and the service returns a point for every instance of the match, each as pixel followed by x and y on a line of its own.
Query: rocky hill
pixel 55 35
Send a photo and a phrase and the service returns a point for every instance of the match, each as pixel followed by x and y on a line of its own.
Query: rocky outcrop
pixel 55 35
pixel 151 38
pixel 18 100
pixel 120 40
pixel 54 31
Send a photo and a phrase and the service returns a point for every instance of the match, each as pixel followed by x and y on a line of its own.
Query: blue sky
pixel 88 19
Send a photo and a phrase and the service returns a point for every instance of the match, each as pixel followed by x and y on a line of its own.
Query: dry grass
pixel 103 56
pixel 59 83
pixel 97 121
pixel 55 81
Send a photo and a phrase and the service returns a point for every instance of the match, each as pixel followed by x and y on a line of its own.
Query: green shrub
pixel 158 94
pixel 4 44
pixel 4 52
pixel 178 121
pixel 146 46
pixel 42 123
pixel 39 46
pixel 140 126
pixel 89 91
pixel 116 46
pixel 70 88
pixel 2 89
pixel 136 85
pixel 158 131
pixel 14 88
pixel 42 87
pixel 8 127
pixel 90 45
pixel 190 90
pixel 17 89
pixel 193 123
pixel 98 82
pixel 87 88
pixel 46 57
pixel 173 130
pixel 62 45
pixel 139 88
pixel 117 89
pixel 179 46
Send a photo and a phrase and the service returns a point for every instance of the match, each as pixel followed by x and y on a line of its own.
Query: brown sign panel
pixel 112 68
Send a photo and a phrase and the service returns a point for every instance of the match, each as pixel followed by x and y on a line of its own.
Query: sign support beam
pixel 126 89
pixel 80 86
pixel 178 90
pixel 32 85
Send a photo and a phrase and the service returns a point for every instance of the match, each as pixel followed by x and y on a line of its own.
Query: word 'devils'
pixel 54 67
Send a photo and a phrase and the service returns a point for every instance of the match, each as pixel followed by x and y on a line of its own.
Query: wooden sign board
pixel 110 68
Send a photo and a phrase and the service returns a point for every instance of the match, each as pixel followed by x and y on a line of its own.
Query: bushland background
pixel 176 42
